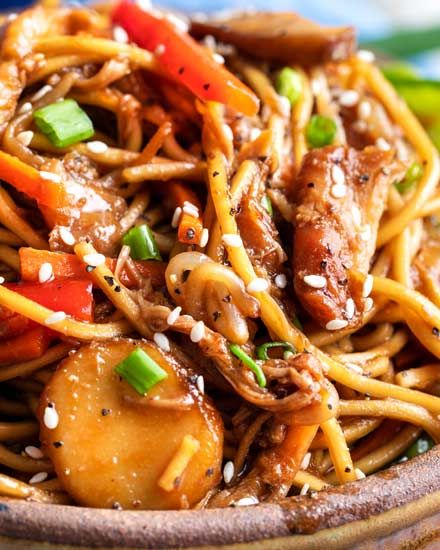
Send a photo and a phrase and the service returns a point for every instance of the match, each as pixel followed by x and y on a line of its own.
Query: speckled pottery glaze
pixel 398 508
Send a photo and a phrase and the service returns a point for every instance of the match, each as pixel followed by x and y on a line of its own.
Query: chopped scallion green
pixel 289 84
pixel 64 123
pixel 140 371
pixel 250 363
pixel 419 447
pixel 142 243
pixel 297 323
pixel 267 204
pixel 321 131
pixel 414 173
pixel 261 351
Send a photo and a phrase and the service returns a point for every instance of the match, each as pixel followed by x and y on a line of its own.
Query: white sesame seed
pixel 304 489
pixel 364 110
pixel 359 473
pixel 355 368
pixel 306 461
pixel 45 273
pixel 338 175
pixel 50 417
pixel 338 191
pixel 94 259
pixel 2 280
pixel 257 285
pixel 190 204
pixel 357 215
pixel 33 452
pixel 350 308
pixel 336 324
pixel 66 236
pixel 369 303
pixel 366 55
pixel 97 146
pixel 204 237
pixel 197 332
pixel 50 176
pixel 200 383
pixel 174 315
pixel 177 22
pixel 176 217
pixel 25 137
pixel 228 132
pixel 191 210
pixel 349 98
pixel 56 317
pixel 234 241
pixel 367 287
pixel 160 49
pixel 120 35
pixel 162 341
pixel 41 92
pixel 25 108
pixel 247 501
pixel 173 278
pixel 38 478
pixel 365 234
pixel 228 472
pixel 315 281
pixel 218 58
pixel 382 144
pixel 281 280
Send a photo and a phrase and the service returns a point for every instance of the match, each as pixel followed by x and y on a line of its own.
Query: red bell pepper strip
pixel 65 266
pixel 27 179
pixel 74 297
pixel 184 58
pixel 25 347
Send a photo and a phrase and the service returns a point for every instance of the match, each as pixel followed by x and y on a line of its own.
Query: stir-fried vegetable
pixel 64 123
pixel 142 243
pixel 420 446
pixel 184 59
pixel 289 84
pixel 96 429
pixel 320 131
pixel 415 172
pixel 262 350
pixel 28 180
pixel 140 371
pixel 250 363
pixel 26 346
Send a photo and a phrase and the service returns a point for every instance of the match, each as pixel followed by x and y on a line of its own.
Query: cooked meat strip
pixel 340 196
pixel 282 37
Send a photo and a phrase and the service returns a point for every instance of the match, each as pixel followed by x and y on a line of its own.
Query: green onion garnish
pixel 64 123
pixel 419 447
pixel 140 371
pixel 288 84
pixel 261 351
pixel 250 363
pixel 142 244
pixel 321 131
pixel 297 323
pixel 267 204
pixel 414 173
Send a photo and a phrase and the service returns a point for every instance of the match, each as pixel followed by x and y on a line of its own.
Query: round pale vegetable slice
pixel 112 447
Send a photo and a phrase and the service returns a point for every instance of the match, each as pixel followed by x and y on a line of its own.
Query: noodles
pixel 172 224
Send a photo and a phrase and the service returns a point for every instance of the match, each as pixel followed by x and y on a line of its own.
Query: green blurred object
pixel 407 42
pixel 414 173
pixel 423 444
pixel 289 84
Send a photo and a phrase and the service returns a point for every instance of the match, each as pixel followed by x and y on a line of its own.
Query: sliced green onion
pixel 419 447
pixel 267 204
pixel 250 363
pixel 321 131
pixel 414 173
pixel 64 123
pixel 140 371
pixel 289 84
pixel 297 323
pixel 142 244
pixel 261 351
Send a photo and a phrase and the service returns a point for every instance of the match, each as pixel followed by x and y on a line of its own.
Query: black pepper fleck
pixel 324 264
pixel 190 233
pixel 117 288
pixel 435 331
pixel 105 412
pixel 209 472
pixel 109 280
pixel 58 444
pixel 347 470
pixel 227 299
pixel 181 70
pixel 363 178
pixel 90 268
pixel 311 184
pixel 216 315
pixel 215 174
pixel 206 86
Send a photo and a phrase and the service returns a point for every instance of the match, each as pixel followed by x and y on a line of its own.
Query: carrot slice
pixel 29 345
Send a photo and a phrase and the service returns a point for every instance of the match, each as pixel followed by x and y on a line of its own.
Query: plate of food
pixel 219 298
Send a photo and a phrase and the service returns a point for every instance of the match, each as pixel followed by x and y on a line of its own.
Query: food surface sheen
pixel 110 449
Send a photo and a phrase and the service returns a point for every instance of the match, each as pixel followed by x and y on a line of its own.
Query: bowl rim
pixel 337 508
